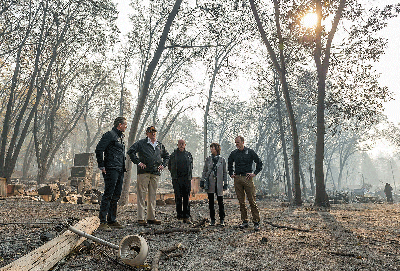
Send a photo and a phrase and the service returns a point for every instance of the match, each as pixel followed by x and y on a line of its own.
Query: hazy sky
pixel 389 65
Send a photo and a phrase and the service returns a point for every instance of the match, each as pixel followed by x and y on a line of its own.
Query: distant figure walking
pixel 110 155
pixel 151 158
pixel 215 180
pixel 388 193
pixel 181 165
pixel 243 175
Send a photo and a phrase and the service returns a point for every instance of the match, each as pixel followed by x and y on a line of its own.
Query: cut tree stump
pixel 46 256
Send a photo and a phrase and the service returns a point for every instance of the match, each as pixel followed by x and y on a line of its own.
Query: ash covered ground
pixel 344 237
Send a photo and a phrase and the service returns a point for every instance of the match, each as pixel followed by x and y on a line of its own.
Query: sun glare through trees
pixel 309 20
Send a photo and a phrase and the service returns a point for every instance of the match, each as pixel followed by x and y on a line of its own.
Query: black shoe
pixel 154 221
pixel 222 223
pixel 187 221
pixel 212 223
pixel 244 224
pixel 256 226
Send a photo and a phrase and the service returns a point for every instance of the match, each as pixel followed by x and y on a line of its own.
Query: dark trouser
pixel 182 187
pixel 221 209
pixel 113 180
pixel 389 197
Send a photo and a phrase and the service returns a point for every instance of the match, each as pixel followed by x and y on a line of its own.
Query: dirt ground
pixel 343 237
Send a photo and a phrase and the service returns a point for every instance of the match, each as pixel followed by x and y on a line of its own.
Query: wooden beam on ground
pixel 46 256
pixel 286 227
pixel 161 252
pixel 201 223
pixel 172 230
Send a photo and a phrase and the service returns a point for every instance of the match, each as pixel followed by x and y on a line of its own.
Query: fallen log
pixel 166 231
pixel 174 255
pixel 338 253
pixel 46 256
pixel 200 223
pixel 163 251
pixel 26 223
pixel 286 227
pixel 54 222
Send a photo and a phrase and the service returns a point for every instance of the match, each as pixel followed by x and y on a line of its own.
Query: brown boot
pixel 104 227
pixel 116 225
pixel 142 222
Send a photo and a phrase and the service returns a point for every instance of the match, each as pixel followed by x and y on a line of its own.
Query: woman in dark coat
pixel 214 181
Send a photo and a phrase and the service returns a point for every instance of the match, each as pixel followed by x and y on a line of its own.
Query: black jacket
pixel 173 166
pixel 149 156
pixel 110 151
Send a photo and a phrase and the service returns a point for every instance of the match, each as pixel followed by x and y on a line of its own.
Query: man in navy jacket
pixel 110 155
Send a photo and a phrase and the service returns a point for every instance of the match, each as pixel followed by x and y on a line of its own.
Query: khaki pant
pixel 245 187
pixel 146 182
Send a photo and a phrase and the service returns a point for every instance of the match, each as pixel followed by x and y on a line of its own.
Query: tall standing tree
pixel 322 57
pixel 143 93
pixel 279 64
pixel 222 51
pixel 282 136
pixel 224 31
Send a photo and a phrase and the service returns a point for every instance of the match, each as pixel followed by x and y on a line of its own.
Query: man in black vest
pixel 243 175
pixel 181 165
pixel 110 155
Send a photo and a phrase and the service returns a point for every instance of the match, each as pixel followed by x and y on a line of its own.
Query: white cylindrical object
pixel 125 250
pixel 91 237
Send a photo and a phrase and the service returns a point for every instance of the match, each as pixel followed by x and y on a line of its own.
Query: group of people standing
pixel 151 157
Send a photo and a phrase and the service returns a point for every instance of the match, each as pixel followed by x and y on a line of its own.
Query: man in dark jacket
pixel 388 192
pixel 151 160
pixel 243 176
pixel 110 154
pixel 181 165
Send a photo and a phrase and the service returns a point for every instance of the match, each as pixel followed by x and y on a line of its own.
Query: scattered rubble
pixel 356 236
